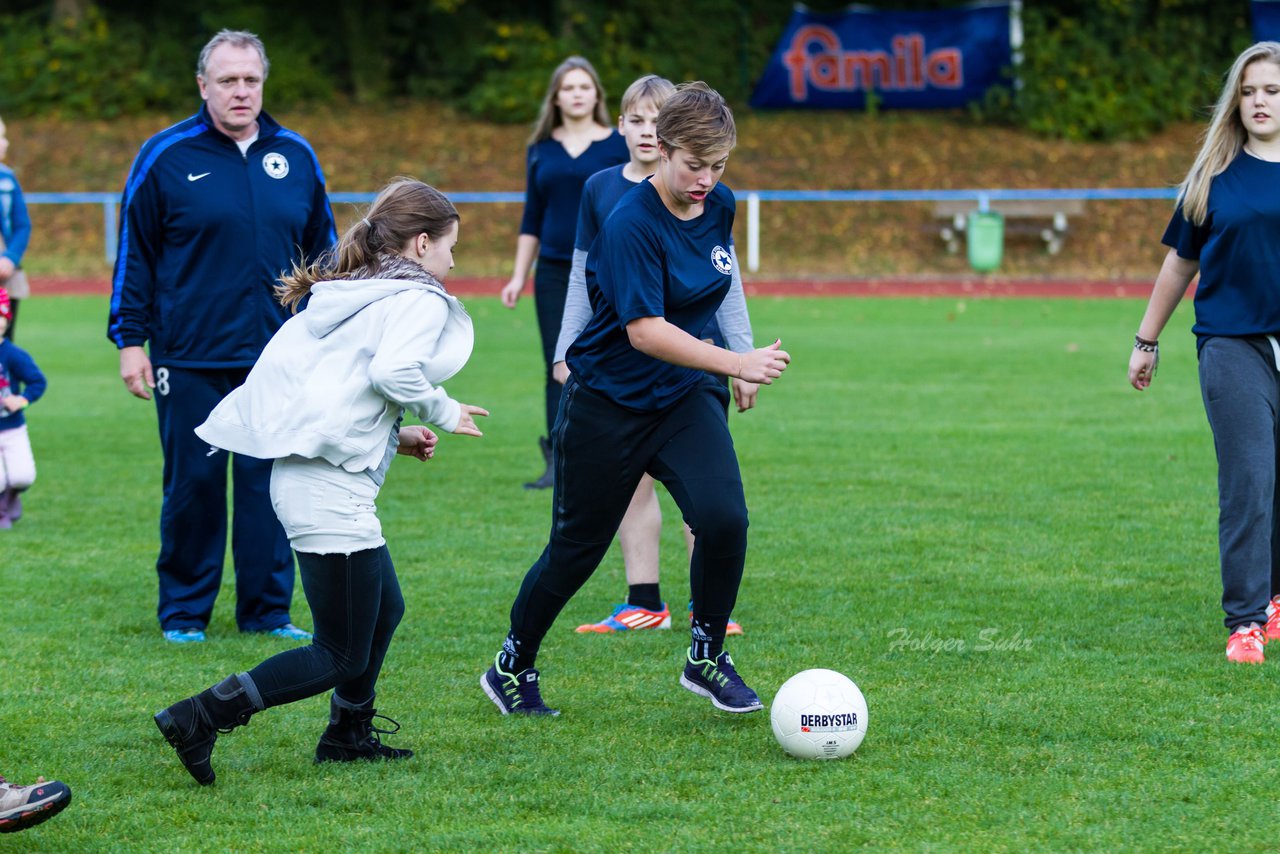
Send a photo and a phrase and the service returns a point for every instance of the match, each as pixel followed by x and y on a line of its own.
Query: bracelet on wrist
pixel 1140 343
pixel 1138 339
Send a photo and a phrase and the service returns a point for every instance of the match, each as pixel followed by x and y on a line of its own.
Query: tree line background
pixel 1093 69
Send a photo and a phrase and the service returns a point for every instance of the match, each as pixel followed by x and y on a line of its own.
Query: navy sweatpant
pixel 1240 384
pixel 599 451
pixel 193 518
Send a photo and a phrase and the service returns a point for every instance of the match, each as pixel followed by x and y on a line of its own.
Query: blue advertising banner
pixel 1266 20
pixel 912 60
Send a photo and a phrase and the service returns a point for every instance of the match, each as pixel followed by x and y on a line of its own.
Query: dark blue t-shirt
pixel 1238 248
pixel 646 262
pixel 600 196
pixel 553 189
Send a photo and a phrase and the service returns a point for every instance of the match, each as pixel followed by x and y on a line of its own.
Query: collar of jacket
pixel 267 126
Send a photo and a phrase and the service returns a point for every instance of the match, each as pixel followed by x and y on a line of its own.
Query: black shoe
pixel 719 681
pixel 548 478
pixel 351 736
pixel 515 694
pixel 192 725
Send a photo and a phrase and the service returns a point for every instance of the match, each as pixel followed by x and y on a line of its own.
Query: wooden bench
pixel 954 215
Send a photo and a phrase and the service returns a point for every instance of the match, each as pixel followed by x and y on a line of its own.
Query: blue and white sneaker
pixel 184 636
pixel 515 694
pixel 291 632
pixel 721 683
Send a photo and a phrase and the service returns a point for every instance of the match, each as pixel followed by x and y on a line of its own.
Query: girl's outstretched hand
pixel 467 423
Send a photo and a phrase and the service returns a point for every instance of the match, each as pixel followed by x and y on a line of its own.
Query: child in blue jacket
pixel 21 384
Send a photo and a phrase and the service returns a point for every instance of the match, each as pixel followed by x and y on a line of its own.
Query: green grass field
pixel 961 505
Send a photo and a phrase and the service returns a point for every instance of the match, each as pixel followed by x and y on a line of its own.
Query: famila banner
pixel 911 60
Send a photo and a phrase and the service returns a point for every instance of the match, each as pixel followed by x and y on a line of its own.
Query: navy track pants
pixel 193 517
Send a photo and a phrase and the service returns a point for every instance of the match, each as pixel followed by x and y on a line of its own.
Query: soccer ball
pixel 819 714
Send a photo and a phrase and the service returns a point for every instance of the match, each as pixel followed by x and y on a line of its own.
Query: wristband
pixel 1140 343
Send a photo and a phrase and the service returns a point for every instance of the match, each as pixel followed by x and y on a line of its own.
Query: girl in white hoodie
pixel 325 402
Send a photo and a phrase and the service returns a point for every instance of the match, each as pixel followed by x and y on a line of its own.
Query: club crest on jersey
pixel 722 260
pixel 276 165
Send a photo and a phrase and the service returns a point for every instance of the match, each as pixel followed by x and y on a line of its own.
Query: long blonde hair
pixel 549 117
pixel 403 209
pixel 1224 137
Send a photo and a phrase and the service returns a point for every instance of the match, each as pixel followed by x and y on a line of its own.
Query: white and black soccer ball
pixel 819 714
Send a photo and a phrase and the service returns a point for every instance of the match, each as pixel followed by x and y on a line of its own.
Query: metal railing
pixel 982 200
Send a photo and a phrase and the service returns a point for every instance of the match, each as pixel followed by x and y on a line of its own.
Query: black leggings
pixel 355 607
pixel 600 451
pixel 550 285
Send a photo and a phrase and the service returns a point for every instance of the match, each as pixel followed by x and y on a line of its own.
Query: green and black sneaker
pixel 717 680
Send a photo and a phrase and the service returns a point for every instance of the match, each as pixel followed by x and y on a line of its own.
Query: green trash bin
pixel 985 239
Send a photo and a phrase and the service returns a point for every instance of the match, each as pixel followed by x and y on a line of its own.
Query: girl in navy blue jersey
pixel 1227 228
pixel 571 141
pixel 640 399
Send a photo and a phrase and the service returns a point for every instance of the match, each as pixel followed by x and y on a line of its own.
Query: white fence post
pixel 109 234
pixel 753 232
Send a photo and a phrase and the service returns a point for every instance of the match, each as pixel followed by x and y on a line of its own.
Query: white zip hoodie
pixel 338 376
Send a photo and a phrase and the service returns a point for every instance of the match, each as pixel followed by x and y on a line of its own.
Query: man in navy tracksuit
pixel 214 209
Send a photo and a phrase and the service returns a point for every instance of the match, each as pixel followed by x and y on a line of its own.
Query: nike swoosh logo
pixel 191 177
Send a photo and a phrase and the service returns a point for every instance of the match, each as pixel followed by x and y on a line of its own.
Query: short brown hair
pixel 697 119
pixel 652 88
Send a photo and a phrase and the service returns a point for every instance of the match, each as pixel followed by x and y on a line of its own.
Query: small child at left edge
pixel 21 384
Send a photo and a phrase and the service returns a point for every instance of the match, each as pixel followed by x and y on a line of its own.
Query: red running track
pixel 976 287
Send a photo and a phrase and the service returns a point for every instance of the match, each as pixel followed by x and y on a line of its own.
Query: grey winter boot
pixel 351 735
pixel 192 725
pixel 548 478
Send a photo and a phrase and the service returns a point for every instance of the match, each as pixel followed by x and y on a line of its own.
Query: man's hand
pixel 135 370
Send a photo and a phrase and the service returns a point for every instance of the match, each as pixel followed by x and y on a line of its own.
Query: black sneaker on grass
pixel 721 683
pixel 515 694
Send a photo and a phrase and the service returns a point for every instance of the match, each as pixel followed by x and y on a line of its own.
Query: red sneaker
pixel 1245 644
pixel 1273 619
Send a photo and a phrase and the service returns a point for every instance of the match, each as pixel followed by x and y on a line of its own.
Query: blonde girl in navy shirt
pixel 641 398
pixel 1227 228
pixel 571 141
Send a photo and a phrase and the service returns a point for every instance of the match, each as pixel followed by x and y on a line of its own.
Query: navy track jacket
pixel 205 232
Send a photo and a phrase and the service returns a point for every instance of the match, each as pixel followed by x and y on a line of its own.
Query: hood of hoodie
pixel 332 303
